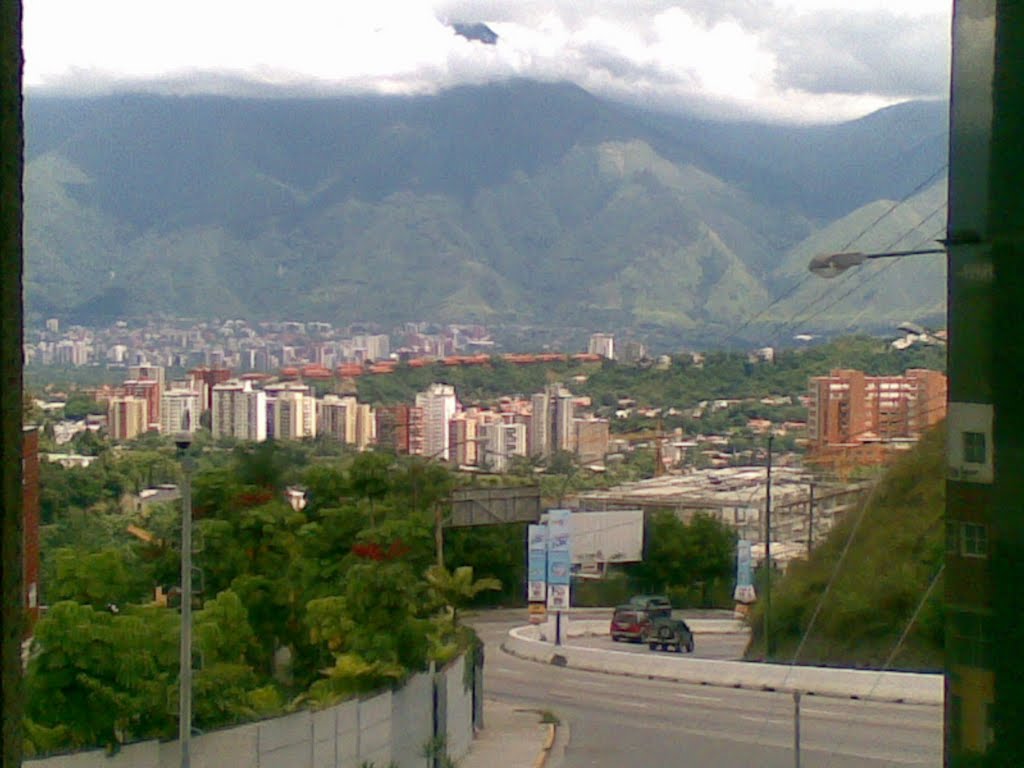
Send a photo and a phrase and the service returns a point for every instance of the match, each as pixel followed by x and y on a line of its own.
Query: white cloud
pixel 786 59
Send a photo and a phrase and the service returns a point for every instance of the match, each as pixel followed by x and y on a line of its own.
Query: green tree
pixel 457 588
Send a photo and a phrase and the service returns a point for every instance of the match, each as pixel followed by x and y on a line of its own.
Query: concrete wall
pixel 459 699
pixel 389 726
pixel 907 687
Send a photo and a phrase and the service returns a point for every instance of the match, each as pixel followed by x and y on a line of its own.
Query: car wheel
pixel 615 638
pixel 653 646
pixel 679 647
pixel 689 647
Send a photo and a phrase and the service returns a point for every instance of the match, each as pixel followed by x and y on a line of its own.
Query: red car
pixel 629 623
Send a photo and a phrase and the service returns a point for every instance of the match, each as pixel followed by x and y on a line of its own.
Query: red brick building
pixel 400 427
pixel 849 408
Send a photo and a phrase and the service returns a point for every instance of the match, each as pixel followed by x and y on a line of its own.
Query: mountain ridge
pixel 521 202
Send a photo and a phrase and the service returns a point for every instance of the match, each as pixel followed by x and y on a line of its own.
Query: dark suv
pixel 655 606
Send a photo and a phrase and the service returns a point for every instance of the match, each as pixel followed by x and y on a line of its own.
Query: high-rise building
pixel 149 390
pixel 539 435
pixel 337 417
pixel 602 344
pixel 291 411
pixel 439 405
pixel 462 440
pixel 239 411
pixel 592 437
pixel 501 441
pixel 203 380
pixel 127 416
pixel 400 428
pixel 146 371
pixel 848 408
pixel 178 408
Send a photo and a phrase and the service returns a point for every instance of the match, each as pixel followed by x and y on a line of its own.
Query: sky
pixel 778 60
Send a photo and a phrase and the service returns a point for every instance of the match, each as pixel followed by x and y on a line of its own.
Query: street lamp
pixel 831 264
pixel 183 440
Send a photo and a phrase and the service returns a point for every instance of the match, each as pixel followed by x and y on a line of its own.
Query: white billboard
pixel 607 537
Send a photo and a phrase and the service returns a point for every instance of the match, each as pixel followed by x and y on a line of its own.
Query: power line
pixel 731 335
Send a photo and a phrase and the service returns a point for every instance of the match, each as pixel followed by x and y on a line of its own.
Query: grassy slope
pixel 894 556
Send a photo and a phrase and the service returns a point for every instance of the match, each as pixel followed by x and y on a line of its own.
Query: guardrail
pixel 903 687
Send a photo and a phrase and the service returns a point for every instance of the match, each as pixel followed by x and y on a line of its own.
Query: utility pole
pixel 810 520
pixel 12 145
pixel 183 440
pixel 768 555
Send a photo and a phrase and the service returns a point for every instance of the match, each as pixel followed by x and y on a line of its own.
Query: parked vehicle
pixel 654 605
pixel 629 623
pixel 668 633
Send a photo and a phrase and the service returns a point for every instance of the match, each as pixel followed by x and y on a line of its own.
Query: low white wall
pixel 388 726
pixel 846 683
pixel 459 722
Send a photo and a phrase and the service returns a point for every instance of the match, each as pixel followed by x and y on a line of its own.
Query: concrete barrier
pixel 905 687
pixel 385 727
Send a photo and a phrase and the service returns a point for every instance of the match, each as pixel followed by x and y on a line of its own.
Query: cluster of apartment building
pixel 245 346
pixel 855 417
pixel 253 407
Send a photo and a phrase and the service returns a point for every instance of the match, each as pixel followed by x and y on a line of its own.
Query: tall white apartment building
pixel 239 411
pixel 174 405
pixel 291 411
pixel 347 420
pixel 539 434
pixel 551 421
pixel 439 406
pixel 501 441
pixel 602 344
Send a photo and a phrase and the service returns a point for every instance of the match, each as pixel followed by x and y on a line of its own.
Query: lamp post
pixel 183 440
pixel 831 264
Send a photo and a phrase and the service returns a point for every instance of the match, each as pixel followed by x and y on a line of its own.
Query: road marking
pixel 506 670
pixel 695 697
pixel 637 704
pixel 763 719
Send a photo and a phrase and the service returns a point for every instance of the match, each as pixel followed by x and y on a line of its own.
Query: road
pixel 615 721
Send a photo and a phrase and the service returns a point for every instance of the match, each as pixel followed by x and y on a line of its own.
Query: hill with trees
pixel 888 582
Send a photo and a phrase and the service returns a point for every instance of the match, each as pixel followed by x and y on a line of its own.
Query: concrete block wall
pixel 459 725
pixel 389 726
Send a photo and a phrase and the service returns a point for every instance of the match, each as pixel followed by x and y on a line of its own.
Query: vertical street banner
pixel 744 592
pixel 559 559
pixel 536 563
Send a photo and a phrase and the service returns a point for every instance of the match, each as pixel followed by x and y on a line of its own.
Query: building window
pixel 974 447
pixel 973 540
pixel 952 537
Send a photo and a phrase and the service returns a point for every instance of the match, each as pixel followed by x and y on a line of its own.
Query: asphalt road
pixel 615 721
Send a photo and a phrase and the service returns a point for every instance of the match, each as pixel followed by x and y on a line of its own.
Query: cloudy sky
pixel 792 60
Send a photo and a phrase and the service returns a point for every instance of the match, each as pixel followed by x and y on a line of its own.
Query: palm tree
pixel 454 589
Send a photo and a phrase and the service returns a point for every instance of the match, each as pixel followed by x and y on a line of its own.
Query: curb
pixel 894 687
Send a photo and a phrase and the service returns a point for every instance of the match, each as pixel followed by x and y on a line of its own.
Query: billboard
pixel 607 537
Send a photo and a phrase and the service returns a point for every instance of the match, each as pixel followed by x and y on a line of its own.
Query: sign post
pixel 536 571
pixel 559 566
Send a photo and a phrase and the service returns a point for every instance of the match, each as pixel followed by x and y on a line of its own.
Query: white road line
pixel 695 697
pixel 637 704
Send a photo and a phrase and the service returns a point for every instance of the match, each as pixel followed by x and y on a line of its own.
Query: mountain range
pixel 514 203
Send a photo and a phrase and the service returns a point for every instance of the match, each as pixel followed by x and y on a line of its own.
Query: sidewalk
pixel 512 737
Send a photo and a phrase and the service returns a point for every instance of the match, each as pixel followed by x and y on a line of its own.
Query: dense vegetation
pixel 895 553
pixel 347 588
pixel 683 384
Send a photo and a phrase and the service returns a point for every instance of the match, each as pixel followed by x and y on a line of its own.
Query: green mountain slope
pixel 519 202
pixel 893 558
